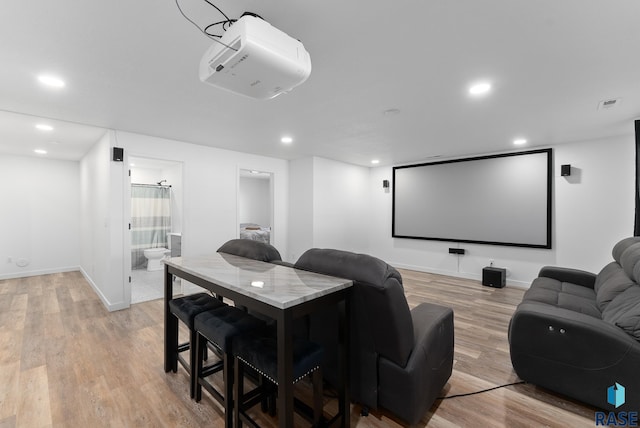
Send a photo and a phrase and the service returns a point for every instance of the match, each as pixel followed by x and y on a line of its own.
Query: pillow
pixel 624 312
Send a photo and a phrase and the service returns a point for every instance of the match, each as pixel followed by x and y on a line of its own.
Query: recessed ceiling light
pixel 253 171
pixel 375 161
pixel 40 151
pixel 132 164
pixel 519 141
pixel 480 88
pixel 51 81
pixel 43 127
pixel 286 140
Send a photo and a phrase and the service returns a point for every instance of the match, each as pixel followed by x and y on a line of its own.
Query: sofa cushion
pixel 563 295
pixel 624 311
pixel 610 282
pixel 630 261
pixel 563 287
pixel 621 246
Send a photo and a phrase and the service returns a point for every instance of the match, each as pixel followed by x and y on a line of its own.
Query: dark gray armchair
pixel 400 358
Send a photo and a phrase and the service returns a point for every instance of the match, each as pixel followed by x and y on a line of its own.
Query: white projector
pixel 255 59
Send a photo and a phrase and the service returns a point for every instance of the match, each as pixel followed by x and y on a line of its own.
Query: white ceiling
pixel 133 66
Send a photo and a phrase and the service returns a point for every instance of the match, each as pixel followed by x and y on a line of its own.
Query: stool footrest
pixel 252 397
pixel 184 362
pixel 214 368
pixel 247 419
pixel 211 390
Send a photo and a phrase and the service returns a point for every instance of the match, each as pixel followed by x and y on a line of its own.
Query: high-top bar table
pixel 280 292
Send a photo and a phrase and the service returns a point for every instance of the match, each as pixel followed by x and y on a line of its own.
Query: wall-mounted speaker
pixel 118 154
pixel 565 170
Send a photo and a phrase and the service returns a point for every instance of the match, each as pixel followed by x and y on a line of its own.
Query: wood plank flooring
pixel 65 361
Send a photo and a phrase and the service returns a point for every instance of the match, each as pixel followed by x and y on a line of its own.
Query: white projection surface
pixel 500 199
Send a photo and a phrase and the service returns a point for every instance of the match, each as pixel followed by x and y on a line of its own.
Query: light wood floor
pixel 65 361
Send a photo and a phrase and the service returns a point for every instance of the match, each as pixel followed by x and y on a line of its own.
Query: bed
pixel 255 232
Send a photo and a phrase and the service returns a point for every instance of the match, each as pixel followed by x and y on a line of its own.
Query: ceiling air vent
pixel 610 103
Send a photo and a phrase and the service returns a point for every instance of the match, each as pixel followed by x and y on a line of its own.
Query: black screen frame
pixel 549 189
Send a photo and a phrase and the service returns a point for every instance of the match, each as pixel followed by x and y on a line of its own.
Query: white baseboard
pixel 107 304
pixel 26 274
pixel 464 275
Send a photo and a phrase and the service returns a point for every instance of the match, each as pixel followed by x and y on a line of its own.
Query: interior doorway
pixel 156 223
pixel 255 205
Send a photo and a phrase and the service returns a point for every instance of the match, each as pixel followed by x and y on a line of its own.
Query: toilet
pixel 154 258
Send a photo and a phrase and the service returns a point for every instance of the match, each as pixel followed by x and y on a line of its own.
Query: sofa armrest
pixel 574 276
pixel 568 337
pixel 573 353
pixel 408 392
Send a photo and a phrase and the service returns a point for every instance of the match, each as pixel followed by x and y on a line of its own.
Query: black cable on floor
pixel 479 392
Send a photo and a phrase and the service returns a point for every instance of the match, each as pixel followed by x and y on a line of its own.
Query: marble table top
pixel 275 285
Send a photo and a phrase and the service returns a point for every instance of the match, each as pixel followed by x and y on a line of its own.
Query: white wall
pixel 595 205
pixel 103 224
pixel 210 178
pixel 329 206
pixel 301 181
pixel 254 201
pixel 40 216
pixel 209 201
pixel 593 209
pixel 341 205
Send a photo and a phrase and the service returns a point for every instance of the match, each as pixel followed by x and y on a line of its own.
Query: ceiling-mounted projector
pixel 255 59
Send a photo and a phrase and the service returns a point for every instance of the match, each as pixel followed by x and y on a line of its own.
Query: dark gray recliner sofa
pixel 578 333
pixel 400 358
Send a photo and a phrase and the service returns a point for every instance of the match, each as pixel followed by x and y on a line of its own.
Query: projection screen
pixel 502 199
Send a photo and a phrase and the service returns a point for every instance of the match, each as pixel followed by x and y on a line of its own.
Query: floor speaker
pixel 494 277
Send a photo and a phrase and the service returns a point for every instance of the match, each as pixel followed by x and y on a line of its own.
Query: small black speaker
pixel 385 184
pixel 565 170
pixel 118 154
pixel 494 277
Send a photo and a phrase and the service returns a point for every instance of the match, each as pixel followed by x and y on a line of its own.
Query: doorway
pixel 156 223
pixel 255 205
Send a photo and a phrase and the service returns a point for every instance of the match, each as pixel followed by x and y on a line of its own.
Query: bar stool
pixel 185 309
pixel 259 352
pixel 219 327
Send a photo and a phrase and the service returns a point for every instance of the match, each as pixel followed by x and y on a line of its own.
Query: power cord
pixel 225 24
pixel 480 392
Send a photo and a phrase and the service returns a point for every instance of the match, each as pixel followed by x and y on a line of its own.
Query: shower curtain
pixel 150 220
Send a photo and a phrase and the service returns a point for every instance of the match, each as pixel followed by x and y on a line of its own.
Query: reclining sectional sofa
pixel 578 333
